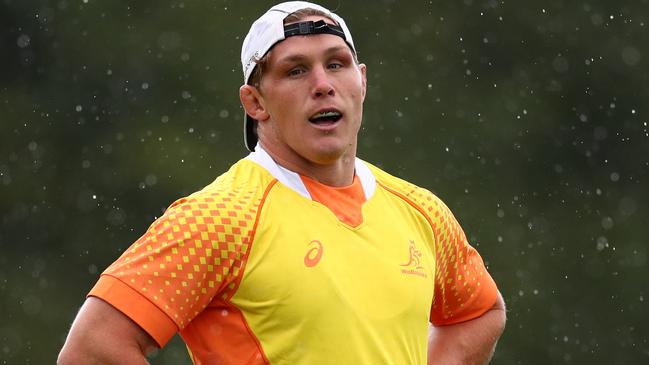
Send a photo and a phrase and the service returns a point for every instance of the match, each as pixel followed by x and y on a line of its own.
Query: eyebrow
pixel 296 57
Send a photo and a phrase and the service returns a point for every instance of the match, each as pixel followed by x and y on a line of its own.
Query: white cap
pixel 264 33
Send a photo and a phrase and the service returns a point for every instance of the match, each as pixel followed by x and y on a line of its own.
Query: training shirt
pixel 265 266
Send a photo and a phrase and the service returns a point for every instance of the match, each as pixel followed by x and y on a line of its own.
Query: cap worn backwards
pixel 268 30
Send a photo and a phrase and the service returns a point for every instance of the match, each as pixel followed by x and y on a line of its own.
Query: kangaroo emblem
pixel 414 256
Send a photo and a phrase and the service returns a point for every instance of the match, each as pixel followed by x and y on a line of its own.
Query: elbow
pixel 500 311
pixel 66 357
pixel 71 355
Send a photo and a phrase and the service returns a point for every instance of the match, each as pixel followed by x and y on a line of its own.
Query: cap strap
pixel 311 27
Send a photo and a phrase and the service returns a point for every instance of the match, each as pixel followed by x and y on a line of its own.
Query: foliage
pixel 528 119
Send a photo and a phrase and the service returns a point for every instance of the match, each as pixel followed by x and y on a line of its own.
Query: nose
pixel 321 83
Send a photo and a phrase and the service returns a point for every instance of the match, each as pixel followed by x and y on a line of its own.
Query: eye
pixel 334 65
pixel 295 71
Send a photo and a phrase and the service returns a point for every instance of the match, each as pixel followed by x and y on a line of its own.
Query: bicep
pixel 102 334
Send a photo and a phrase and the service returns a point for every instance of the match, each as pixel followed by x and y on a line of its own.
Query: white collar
pixel 293 181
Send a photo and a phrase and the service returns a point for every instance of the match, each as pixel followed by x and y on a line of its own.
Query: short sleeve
pixel 189 256
pixel 464 289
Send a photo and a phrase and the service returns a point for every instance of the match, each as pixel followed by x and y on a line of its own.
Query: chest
pixel 305 265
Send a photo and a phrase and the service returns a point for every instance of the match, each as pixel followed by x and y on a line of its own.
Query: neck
pixel 338 172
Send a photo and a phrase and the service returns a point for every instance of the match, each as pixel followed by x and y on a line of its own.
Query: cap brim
pixel 249 135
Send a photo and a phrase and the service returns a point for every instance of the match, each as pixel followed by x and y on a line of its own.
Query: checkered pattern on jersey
pixel 462 283
pixel 193 253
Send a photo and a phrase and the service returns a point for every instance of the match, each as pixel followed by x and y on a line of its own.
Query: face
pixel 309 101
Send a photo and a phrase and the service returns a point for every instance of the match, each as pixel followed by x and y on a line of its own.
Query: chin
pixel 327 154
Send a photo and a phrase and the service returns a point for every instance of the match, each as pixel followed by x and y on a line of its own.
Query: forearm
pixel 468 343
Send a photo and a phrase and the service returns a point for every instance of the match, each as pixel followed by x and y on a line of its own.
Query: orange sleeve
pixel 464 289
pixel 189 256
pixel 135 306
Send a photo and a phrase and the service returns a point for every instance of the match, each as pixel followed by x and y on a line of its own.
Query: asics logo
pixel 314 254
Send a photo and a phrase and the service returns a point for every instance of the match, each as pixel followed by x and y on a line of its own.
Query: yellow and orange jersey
pixel 265 266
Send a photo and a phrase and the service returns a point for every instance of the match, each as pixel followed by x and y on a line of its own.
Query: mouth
pixel 326 117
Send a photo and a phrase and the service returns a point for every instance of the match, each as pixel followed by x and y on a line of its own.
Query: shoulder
pixel 241 188
pixel 420 198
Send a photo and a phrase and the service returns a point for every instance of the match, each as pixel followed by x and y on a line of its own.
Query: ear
pixel 253 103
pixel 363 69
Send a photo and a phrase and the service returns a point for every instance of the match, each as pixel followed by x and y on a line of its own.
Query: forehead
pixel 307 46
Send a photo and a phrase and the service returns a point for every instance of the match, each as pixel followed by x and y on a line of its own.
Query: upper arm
pixel 102 334
pixel 463 287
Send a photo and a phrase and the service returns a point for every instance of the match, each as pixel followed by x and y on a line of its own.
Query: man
pixel 301 253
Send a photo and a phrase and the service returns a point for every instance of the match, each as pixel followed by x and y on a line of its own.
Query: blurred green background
pixel 528 118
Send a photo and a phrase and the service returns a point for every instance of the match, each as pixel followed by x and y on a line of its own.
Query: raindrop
pixel 116 217
pixel 32 305
pixel 560 64
pixel 169 41
pixel 602 243
pixel 416 29
pixel 85 201
pixel 628 206
pixel 631 56
pixel 23 41
pixel 151 179
pixel 600 133
pixel 596 19
pixel 615 177
pixel 78 108
pixel 607 222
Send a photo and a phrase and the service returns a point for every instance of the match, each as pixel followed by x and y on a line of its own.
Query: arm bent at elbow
pixel 101 334
pixel 468 343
